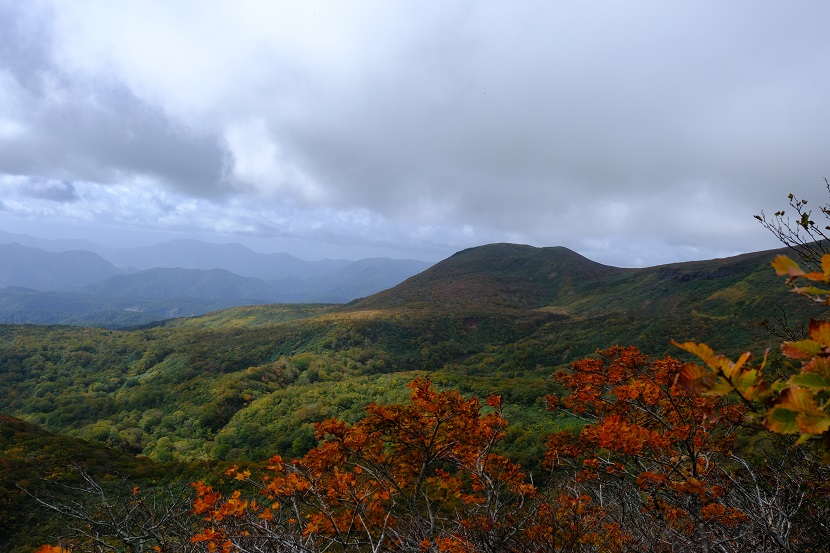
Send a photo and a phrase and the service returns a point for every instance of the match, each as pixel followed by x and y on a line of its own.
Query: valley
pixel 245 383
pixel 248 382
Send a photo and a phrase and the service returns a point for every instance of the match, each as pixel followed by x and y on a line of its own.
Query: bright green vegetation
pixel 170 392
pixel 249 382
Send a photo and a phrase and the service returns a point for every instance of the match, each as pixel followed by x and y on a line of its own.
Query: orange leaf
pixel 820 332
pixel 803 349
pixel 796 398
pixel 702 351
pixel 694 379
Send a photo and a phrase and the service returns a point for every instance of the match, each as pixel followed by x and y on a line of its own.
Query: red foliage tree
pixel 659 460
pixel 415 477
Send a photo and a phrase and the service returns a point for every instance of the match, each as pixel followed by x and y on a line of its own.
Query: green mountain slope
pixel 249 382
pixel 512 277
pixel 34 461
pixel 507 276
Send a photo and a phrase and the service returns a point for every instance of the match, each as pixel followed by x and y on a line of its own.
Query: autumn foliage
pixel 652 468
pixel 661 455
pixel 794 405
pixel 415 477
pixel 656 458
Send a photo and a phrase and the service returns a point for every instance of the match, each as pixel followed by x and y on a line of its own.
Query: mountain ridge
pixel 35 268
pixel 521 277
pixel 195 254
pixel 502 276
pixel 81 287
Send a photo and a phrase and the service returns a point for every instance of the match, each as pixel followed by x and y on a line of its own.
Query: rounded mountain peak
pixel 500 276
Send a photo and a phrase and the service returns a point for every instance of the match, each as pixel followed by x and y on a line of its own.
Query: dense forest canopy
pixel 357 427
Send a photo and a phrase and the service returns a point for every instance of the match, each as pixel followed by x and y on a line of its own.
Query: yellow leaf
pixel 745 380
pixel 702 351
pixel 810 380
pixel 820 331
pixel 798 399
pixel 782 421
pixel 813 423
pixel 783 265
pixel 731 369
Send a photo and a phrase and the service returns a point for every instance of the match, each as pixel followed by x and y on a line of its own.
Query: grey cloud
pixel 708 97
pixel 56 191
pixel 100 131
pixel 584 124
pixel 26 45
pixel 107 135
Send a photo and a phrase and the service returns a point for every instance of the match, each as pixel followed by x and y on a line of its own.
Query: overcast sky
pixel 635 133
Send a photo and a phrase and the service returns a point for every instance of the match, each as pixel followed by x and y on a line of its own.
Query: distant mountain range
pixel 42 270
pixel 185 278
pixel 236 258
pixel 191 254
pixel 110 287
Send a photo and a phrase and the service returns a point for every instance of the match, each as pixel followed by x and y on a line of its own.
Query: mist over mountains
pixel 78 282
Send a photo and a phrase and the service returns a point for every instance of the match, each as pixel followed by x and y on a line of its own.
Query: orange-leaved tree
pixel 415 477
pixel 657 461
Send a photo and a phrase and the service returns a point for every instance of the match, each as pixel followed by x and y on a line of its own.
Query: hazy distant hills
pixel 236 258
pixel 206 285
pixel 49 245
pixel 173 279
pixel 191 254
pixel 42 270
pixel 357 279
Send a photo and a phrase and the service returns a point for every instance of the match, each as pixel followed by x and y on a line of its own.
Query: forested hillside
pixel 248 383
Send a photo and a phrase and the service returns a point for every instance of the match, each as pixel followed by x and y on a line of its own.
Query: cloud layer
pixel 636 133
